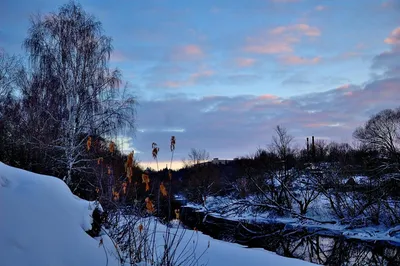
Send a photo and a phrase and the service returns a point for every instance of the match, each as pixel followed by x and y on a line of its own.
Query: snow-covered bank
pixel 43 223
pixel 213 252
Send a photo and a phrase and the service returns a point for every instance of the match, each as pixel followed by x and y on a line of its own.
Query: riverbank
pixel 319 219
pixel 328 244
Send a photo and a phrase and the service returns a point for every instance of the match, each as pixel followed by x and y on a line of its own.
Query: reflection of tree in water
pixel 303 245
pixel 332 251
pixel 389 253
pixel 341 251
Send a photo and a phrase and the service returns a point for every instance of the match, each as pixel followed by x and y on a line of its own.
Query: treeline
pixel 360 182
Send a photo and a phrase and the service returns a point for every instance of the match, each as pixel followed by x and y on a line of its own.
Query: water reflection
pixel 334 250
pixel 298 243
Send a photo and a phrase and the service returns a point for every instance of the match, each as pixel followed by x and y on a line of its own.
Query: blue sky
pixel 222 74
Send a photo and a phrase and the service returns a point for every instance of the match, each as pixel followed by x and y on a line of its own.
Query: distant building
pixel 217 161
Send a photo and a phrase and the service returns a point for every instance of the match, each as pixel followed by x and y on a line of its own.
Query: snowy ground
pixel 43 223
pixel 212 252
pixel 318 210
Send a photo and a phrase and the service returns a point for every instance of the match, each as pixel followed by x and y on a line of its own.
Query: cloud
pixel 187 52
pixel 267 97
pixel 235 126
pixel 298 79
pixel 245 62
pixel 281 41
pixel 296 60
pixel 394 37
pixel 391 4
pixel 344 87
pixel 192 50
pixel 117 56
pixel 270 48
pixel 389 61
pixel 320 8
pixel 303 29
pixel 192 79
pixel 242 79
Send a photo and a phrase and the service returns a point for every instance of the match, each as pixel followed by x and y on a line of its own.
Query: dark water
pixel 319 247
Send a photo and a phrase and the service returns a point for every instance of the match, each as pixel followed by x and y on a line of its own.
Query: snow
pixel 212 252
pixel 224 253
pixel 43 223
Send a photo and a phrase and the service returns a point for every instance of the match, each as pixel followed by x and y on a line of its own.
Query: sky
pixel 220 75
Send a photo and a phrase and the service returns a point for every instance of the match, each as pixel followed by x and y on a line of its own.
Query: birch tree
pixel 72 87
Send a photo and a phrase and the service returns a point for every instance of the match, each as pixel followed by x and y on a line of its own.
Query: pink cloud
pixel 245 62
pixel 313 125
pixel 361 46
pixel 172 84
pixel 296 60
pixel 394 37
pixel 281 39
pixel 320 8
pixel 388 4
pixel 269 48
pixel 117 56
pixel 343 87
pixel 192 50
pixel 202 73
pixel 268 97
pixel 260 102
pixel 322 124
pixel 303 29
pixel 187 52
pixel 192 79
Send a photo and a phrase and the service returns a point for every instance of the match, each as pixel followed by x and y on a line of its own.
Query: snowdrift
pixel 43 223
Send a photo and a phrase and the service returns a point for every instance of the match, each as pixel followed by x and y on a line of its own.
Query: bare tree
pixel 321 149
pixel 10 144
pixel 382 132
pixel 196 156
pixel 72 90
pixel 9 68
pixel 281 142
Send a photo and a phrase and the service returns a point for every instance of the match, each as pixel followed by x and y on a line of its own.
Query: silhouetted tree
pixel 196 156
pixel 382 133
pixel 72 92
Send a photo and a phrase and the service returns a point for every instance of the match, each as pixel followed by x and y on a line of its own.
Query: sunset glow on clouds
pixel 220 75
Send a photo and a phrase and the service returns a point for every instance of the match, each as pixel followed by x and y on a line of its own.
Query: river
pixel 315 246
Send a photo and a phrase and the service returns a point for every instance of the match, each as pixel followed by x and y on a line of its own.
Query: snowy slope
pixel 221 253
pixel 43 223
